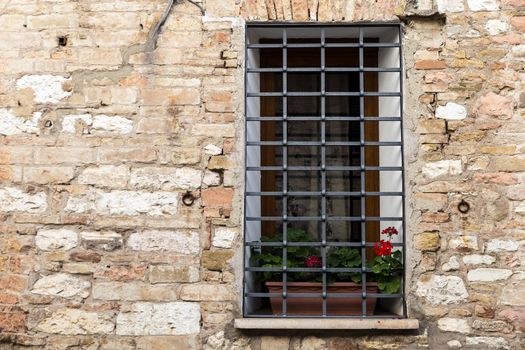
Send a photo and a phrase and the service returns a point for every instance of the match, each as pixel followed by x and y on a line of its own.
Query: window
pixel 324 197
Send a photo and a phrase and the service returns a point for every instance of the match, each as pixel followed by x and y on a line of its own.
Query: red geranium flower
pixel 313 261
pixel 383 248
pixel 390 231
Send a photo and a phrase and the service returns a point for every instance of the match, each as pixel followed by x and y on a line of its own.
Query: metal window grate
pixel 281 40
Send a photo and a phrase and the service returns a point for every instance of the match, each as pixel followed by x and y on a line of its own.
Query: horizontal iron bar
pixel 325 69
pixel 327 168
pixel 319 194
pixel 383 317
pixel 316 244
pixel 328 94
pixel 318 118
pixel 327 143
pixel 302 269
pixel 266 24
pixel 318 218
pixel 319 45
pixel 328 295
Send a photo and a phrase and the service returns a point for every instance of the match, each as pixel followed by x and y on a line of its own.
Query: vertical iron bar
pixel 323 171
pixel 245 260
pixel 285 171
pixel 362 164
pixel 400 33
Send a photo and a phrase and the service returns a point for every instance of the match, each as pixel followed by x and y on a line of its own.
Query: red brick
pixel 515 3
pixel 518 22
pixel 498 178
pixel 430 64
pixel 217 197
pixel 12 322
pixel 435 217
pixel 13 282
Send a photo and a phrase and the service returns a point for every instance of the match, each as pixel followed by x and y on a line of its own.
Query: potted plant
pixel 385 277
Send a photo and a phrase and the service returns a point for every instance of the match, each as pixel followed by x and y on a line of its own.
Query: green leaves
pixel 386 269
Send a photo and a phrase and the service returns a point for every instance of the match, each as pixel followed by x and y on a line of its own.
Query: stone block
pixel 173 274
pixel 427 241
pixel 75 322
pixel 458 325
pixel 176 318
pixel 15 200
pixel 136 291
pixel 488 275
pixel 179 241
pixel 62 285
pixel 206 292
pixel 56 239
pixel 442 290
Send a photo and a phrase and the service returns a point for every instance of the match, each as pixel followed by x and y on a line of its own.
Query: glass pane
pixel 344 231
pixel 343 206
pixel 304 181
pixel 342 106
pixel 343 155
pixel 304 106
pixel 304 57
pixel 342 81
pixel 301 82
pixel 342 130
pixel 304 155
pixel 343 181
pixel 347 57
pixel 304 206
pixel 304 130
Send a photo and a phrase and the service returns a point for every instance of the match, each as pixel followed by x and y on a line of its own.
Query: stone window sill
pixel 326 323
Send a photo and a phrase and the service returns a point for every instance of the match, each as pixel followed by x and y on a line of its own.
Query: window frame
pixel 363 219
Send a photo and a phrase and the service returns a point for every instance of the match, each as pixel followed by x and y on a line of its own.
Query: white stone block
pixel 500 245
pixel 175 318
pixel 451 111
pixel 442 167
pixel 463 242
pixel 457 325
pixel 56 239
pixel 62 285
pixel 12 199
pixel 178 241
pixel 496 26
pixel 212 150
pixel 211 178
pixel 135 203
pixel 488 275
pixel 223 237
pixel 450 6
pixel 483 5
pixel 438 289
pixel 477 259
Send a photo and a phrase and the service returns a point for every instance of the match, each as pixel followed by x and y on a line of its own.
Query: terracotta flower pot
pixel 314 305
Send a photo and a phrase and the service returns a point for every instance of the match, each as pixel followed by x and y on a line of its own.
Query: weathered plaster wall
pixel 99 141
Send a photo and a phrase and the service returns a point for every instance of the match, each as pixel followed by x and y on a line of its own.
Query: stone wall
pixel 100 139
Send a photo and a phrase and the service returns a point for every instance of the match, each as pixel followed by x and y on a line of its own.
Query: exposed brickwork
pixel 100 140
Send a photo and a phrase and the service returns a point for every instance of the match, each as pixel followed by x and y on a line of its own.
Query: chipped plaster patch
pixel 46 88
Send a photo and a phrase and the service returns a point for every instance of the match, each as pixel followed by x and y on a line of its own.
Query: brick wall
pixel 100 140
